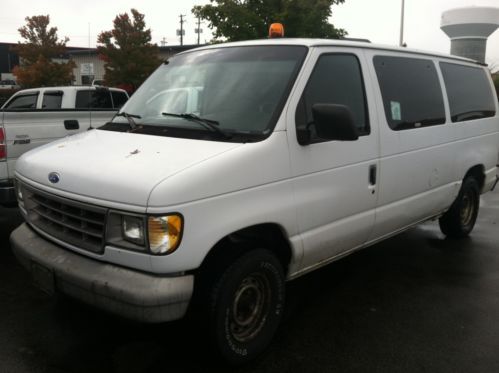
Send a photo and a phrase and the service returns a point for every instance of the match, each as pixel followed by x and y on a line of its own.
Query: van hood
pixel 115 166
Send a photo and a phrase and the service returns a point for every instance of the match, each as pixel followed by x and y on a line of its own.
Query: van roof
pixel 334 42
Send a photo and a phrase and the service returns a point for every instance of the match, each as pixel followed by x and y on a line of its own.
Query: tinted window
pixel 336 79
pixel 119 99
pixel 93 99
pixel 412 96
pixel 24 101
pixel 52 100
pixel 469 92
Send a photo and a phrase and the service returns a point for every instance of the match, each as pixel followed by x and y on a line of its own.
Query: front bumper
pixel 125 292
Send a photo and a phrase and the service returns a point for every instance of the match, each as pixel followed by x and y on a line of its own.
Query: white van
pixel 280 157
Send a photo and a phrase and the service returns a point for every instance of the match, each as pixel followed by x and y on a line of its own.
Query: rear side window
pixel 469 92
pixel 52 100
pixel 412 96
pixel 336 79
pixel 24 101
pixel 119 99
pixel 94 99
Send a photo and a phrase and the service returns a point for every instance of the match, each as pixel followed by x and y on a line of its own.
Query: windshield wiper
pixel 208 123
pixel 129 118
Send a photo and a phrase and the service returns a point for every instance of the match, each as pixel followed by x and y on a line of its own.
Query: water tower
pixel 468 29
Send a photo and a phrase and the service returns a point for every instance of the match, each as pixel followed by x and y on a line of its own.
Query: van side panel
pixel 477 144
pixel 417 166
pixel 474 108
pixel 422 168
pixel 250 185
pixel 331 179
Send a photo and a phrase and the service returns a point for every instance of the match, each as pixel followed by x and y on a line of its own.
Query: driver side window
pixel 336 79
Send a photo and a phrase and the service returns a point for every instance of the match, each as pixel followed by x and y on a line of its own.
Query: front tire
pixel 246 306
pixel 459 220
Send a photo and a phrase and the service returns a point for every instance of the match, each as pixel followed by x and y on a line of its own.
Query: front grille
pixel 73 222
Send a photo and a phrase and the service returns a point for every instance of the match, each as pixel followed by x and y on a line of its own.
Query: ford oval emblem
pixel 54 177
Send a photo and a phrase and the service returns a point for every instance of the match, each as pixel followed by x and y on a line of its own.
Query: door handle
pixel 372 174
pixel 22 140
pixel 71 124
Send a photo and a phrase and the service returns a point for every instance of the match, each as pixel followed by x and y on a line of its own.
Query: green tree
pixel 235 20
pixel 127 52
pixel 42 55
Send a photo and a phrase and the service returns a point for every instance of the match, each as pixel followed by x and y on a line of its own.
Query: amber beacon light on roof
pixel 276 30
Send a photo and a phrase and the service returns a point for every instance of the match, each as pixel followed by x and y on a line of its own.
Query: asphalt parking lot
pixel 414 303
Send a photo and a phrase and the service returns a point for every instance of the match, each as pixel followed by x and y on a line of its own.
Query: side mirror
pixel 334 122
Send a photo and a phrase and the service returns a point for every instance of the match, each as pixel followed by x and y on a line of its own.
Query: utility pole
pixel 181 32
pixel 401 42
pixel 198 30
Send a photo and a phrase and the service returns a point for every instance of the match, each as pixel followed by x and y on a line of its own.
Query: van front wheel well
pixel 263 236
pixel 268 236
pixel 239 291
pixel 478 173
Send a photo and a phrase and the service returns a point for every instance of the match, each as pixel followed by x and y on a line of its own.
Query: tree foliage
pixel 42 55
pixel 235 20
pixel 127 52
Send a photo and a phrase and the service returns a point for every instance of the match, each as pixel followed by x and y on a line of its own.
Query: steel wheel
pixel 246 306
pixel 468 207
pixel 250 307
pixel 460 219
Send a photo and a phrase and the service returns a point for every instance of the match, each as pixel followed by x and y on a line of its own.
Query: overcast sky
pixel 377 20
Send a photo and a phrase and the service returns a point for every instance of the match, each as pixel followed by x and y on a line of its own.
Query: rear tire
pixel 459 220
pixel 246 306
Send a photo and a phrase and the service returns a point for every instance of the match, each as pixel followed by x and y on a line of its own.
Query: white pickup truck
pixel 8 84
pixel 33 117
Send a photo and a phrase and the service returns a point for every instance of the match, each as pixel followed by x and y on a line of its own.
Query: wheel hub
pixel 467 209
pixel 249 307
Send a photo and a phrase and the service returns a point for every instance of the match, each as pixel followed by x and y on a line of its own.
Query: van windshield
pixel 241 90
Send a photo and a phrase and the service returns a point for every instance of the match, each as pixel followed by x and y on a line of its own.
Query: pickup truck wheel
pixel 459 220
pixel 246 306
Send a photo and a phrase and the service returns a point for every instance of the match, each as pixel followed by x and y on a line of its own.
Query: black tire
pixel 459 220
pixel 246 306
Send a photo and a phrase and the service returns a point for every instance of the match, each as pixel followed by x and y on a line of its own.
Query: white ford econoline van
pixel 237 167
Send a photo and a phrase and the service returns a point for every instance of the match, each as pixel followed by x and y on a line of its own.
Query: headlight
pixel 165 233
pixel 133 229
pixel 126 231
pixel 158 235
